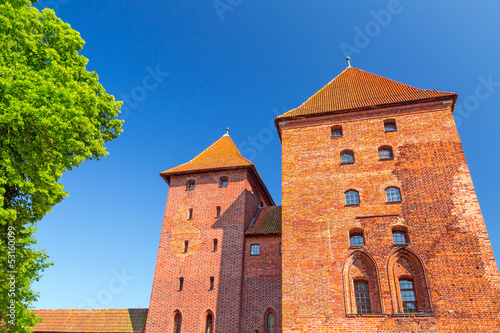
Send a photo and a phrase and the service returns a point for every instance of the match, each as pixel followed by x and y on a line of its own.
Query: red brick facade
pixel 447 255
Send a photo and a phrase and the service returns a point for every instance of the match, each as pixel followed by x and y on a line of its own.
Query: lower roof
pixel 92 321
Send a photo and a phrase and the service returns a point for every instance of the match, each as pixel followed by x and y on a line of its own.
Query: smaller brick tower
pixel 198 282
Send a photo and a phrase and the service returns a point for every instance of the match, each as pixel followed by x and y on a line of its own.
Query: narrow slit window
pixel 181 283
pixel 408 295
pixel 209 324
pixel 362 295
pixel 190 213
pixel 223 181
pixel 281 249
pixel 217 213
pixel 270 323
pixel 215 245
pixel 177 323
pixel 186 245
pixel 190 185
pixel 211 283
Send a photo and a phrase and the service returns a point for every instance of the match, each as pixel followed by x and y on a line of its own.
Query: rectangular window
pixel 211 283
pixel 254 250
pixel 223 181
pixel 362 294
pixel 390 126
pixel 190 185
pixel 408 296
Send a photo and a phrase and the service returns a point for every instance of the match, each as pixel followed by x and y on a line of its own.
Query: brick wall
pixel 262 284
pixel 200 262
pixel 449 256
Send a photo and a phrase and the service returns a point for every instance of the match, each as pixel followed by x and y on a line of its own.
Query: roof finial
pixel 227 132
pixel 348 62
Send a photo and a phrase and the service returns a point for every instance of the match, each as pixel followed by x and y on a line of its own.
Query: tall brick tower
pixel 382 231
pixel 198 282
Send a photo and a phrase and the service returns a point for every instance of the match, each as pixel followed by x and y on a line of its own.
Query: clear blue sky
pixel 238 67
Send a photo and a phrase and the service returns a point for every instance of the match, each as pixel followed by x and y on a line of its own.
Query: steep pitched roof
pixel 92 321
pixel 355 88
pixel 266 222
pixel 220 155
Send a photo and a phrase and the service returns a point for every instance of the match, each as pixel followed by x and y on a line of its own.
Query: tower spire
pixel 348 62
pixel 227 132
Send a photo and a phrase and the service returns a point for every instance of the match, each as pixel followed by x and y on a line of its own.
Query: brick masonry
pixel 449 256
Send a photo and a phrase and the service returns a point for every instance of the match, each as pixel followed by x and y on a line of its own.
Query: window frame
pixel 335 129
pixel 389 195
pixel 389 122
pixel 347 200
pixel 412 290
pixel 366 295
pixel 224 181
pixel 347 152
pixel 255 246
pixel 190 184
pixel 390 155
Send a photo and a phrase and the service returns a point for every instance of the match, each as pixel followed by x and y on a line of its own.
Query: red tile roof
pixel 354 89
pixel 223 154
pixel 220 155
pixel 92 321
pixel 266 222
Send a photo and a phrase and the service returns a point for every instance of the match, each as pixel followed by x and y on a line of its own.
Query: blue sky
pixel 189 69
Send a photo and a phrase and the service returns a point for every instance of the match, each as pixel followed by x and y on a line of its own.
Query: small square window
pixel 399 237
pixel 385 153
pixel 223 181
pixel 351 198
pixel 357 240
pixel 255 250
pixel 337 131
pixel 190 185
pixel 390 126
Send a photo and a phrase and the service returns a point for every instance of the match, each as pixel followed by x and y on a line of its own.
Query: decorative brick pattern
pixel 449 255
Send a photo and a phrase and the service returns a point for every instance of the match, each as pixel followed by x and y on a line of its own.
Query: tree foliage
pixel 54 114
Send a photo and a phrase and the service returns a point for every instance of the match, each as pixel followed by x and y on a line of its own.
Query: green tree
pixel 54 114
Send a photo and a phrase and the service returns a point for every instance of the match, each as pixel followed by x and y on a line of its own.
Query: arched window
pixel 399 237
pixel 362 296
pixel 385 153
pixel 361 284
pixel 336 131
pixel 356 239
pixel 351 198
pixel 408 298
pixel 347 157
pixel 390 125
pixel 209 324
pixel 255 250
pixel 270 322
pixel 393 194
pixel 223 181
pixel 190 185
pixel 177 323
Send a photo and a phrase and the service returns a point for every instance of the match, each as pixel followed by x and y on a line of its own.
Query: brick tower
pixel 382 230
pixel 198 282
